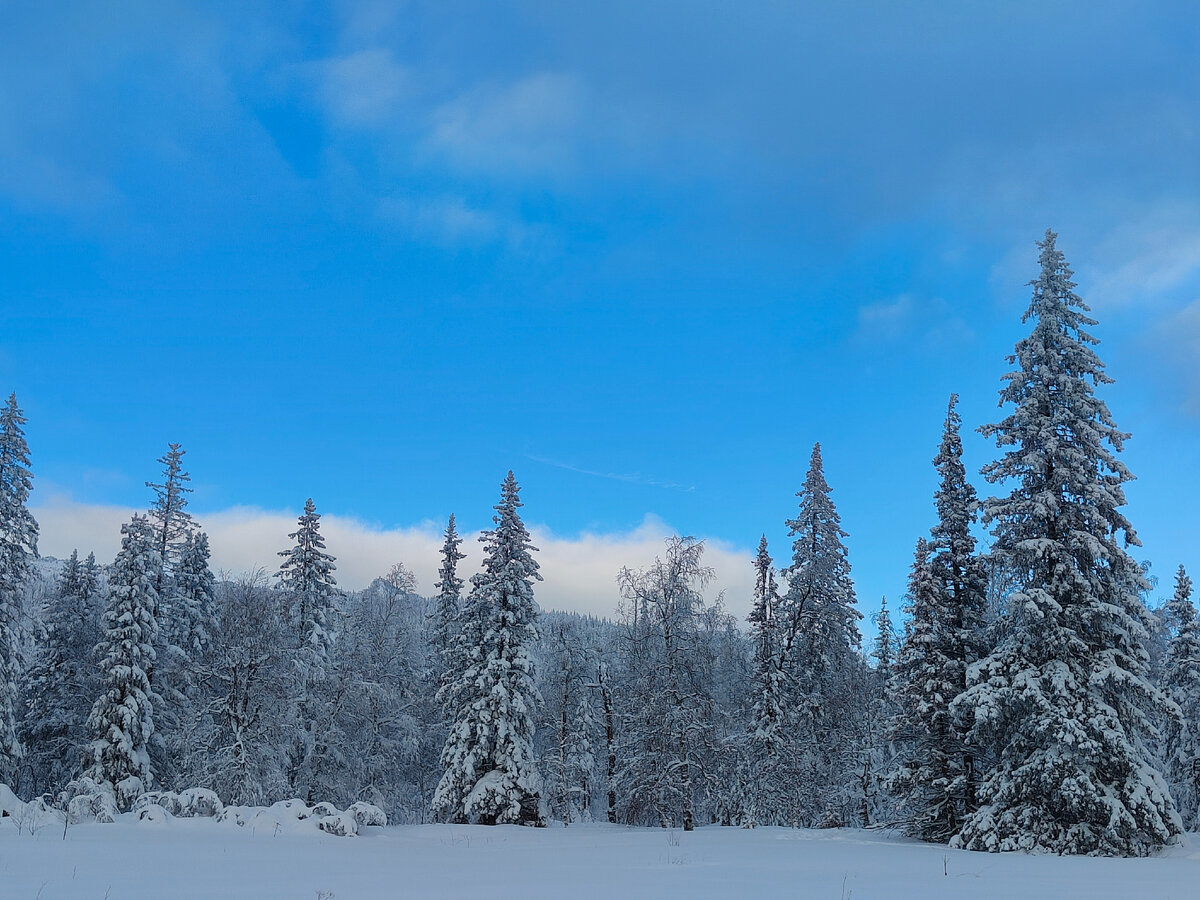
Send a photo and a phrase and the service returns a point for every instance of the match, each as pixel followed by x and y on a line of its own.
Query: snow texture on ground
pixel 201 858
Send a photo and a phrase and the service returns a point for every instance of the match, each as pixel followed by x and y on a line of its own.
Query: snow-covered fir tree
pixel 448 604
pixel 168 516
pixel 768 711
pixel 935 778
pixel 18 547
pixel 306 580
pixel 756 792
pixel 62 683
pixel 122 719
pixel 306 577
pixel 819 624
pixel 195 591
pixel 1063 698
pixel 928 778
pixel 185 646
pixel 884 649
pixel 1181 683
pixel 961 610
pixel 491 774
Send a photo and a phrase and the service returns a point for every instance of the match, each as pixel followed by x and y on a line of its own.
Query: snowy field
pixel 205 859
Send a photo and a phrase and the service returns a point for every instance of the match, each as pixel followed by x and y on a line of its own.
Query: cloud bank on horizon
pixel 579 573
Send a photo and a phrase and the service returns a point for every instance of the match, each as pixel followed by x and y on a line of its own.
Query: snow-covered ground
pixel 206 859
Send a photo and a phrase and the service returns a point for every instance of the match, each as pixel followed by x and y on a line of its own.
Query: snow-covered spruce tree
pixel 169 518
pixel 122 719
pixel 195 590
pixel 448 605
pixel 191 625
pixel 935 780
pixel 62 681
pixel 820 635
pixel 884 649
pixel 928 776
pixel 306 577
pixel 1181 683
pixel 491 775
pixel 767 715
pixel 1063 697
pixel 18 546
pixel 758 789
pixel 876 751
pixel 961 610
pixel 306 580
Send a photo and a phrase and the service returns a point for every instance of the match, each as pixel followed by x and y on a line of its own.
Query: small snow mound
pixel 367 814
pixel 153 813
pixel 294 816
pixel 200 802
pixel 342 824
pixel 9 804
pixel 191 803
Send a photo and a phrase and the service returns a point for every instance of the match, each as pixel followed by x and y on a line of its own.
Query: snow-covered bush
pixel 89 801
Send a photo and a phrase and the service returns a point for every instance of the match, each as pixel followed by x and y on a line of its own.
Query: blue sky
pixel 643 254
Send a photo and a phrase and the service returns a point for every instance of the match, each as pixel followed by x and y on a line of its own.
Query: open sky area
pixel 643 254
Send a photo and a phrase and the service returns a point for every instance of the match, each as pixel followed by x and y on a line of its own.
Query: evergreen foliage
pixel 820 657
pixel 491 774
pixel 169 518
pixel 122 719
pixel 306 576
pixel 18 546
pixel 928 777
pixel 1181 683
pixel 62 682
pixel 1063 698
pixel 448 605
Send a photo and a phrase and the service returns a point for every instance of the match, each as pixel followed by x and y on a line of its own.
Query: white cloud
pixel 1147 259
pixel 905 315
pixel 364 88
pixel 579 572
pixel 445 220
pixel 524 127
pixel 1177 340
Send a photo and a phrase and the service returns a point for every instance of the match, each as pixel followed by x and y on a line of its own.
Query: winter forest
pixel 1025 696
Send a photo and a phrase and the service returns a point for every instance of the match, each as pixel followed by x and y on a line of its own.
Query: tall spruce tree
pixel 1181 682
pixel 962 604
pixel 122 719
pixel 449 600
pixel 18 546
pixel 767 720
pixel 1063 698
pixel 62 682
pixel 306 576
pixel 306 580
pixel 169 518
pixel 819 628
pixel 928 776
pixel 491 775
